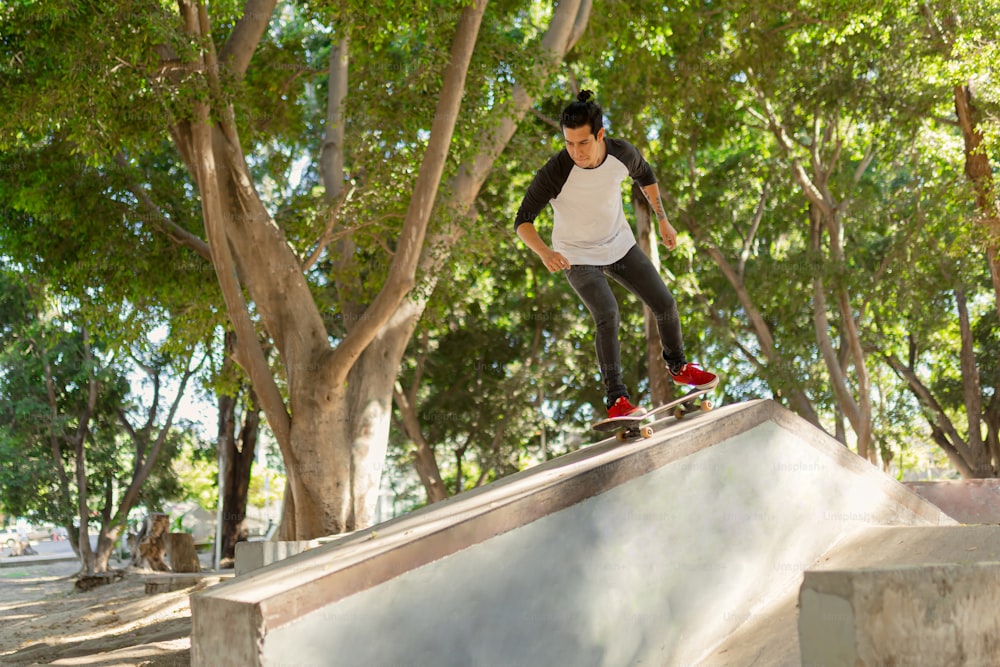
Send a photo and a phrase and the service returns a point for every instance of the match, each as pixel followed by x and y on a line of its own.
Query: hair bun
pixel 585 95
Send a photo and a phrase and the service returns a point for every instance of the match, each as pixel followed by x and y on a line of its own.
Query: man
pixel 591 240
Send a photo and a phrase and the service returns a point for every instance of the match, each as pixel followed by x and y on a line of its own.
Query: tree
pixel 783 137
pixel 85 446
pixel 181 74
pixel 490 128
pixel 237 447
pixel 953 30
pixel 767 117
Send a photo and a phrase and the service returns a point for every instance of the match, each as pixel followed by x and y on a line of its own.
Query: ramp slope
pixel 651 552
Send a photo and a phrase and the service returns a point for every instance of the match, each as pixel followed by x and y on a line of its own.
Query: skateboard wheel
pixel 678 413
pixel 621 436
pixel 647 431
pixel 707 405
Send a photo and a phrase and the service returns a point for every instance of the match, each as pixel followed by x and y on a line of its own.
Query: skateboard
pixel 632 426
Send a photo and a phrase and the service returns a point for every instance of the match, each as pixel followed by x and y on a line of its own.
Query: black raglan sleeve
pixel 545 186
pixel 638 168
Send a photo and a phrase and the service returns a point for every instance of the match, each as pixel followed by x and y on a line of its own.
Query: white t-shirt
pixel 589 217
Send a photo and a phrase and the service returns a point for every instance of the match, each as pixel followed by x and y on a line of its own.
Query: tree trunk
pixel 149 547
pixel 824 210
pixel 335 446
pixel 237 460
pixel 83 538
pixel 354 415
pixel 661 387
pixel 106 539
pixel 982 463
pixel 980 173
pixel 80 444
pixel 237 466
pixel 424 460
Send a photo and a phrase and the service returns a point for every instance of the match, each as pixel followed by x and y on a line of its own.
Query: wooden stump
pixel 149 546
pixel 181 553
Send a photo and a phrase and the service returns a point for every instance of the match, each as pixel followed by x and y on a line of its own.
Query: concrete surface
pixel 965 500
pixel 771 636
pixel 915 615
pixel 653 552
pixel 252 556
pixel 912 605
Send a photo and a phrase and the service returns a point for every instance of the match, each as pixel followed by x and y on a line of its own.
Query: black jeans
pixel 637 274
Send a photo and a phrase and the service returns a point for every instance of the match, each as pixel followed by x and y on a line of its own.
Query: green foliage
pixel 267 487
pixel 46 365
pixel 196 468
pixel 504 353
pixel 848 78
pixel 43 392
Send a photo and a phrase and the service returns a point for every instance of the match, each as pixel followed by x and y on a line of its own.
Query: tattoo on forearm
pixel 655 204
pixel 658 209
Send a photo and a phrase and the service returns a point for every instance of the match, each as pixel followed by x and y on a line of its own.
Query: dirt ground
pixel 45 621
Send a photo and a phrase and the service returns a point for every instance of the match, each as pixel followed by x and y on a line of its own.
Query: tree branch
pixel 758 216
pixel 579 25
pixel 821 324
pixel 168 227
pixel 466 184
pixel 937 418
pixel 424 459
pixel 55 444
pixel 812 193
pixel 140 474
pixel 797 398
pixel 402 272
pixel 207 175
pixel 864 164
pixel 551 122
pixel 971 391
pixel 239 48
pixel 328 233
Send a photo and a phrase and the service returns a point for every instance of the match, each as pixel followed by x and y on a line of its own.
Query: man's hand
pixel 554 261
pixel 668 234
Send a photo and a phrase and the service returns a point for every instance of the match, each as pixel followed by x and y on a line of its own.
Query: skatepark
pixel 742 536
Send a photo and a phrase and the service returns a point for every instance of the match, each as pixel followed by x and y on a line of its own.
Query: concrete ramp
pixel 647 553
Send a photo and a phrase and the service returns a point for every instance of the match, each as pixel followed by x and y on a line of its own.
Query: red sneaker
pixel 622 408
pixel 693 375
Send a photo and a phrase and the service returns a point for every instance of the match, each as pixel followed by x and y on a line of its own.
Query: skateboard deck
pixel 633 427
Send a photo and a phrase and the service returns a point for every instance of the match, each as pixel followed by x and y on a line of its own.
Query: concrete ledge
pixel 823 622
pixel 905 615
pixel 773 632
pixel 572 559
pixel 968 501
pixel 26 561
pixel 252 556
pixel 166 582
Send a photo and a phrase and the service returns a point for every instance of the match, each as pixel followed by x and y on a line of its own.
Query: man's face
pixel 586 150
